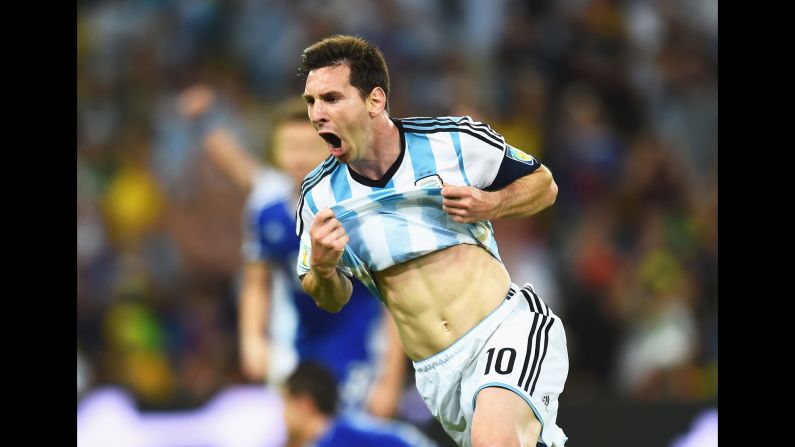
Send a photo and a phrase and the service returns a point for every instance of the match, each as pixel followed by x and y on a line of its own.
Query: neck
pixel 311 430
pixel 383 149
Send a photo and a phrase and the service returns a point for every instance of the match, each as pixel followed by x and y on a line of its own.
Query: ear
pixel 376 101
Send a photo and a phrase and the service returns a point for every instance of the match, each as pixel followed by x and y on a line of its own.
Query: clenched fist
pixel 328 243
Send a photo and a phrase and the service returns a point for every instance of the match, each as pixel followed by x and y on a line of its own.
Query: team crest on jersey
pixel 433 180
pixel 545 399
pixel 303 255
pixel 518 155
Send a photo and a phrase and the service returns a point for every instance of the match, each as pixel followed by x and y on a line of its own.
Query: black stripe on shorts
pixel 536 349
pixel 544 354
pixel 544 308
pixel 530 301
pixel 527 354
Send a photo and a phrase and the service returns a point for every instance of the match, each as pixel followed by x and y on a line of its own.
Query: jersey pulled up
pixel 400 217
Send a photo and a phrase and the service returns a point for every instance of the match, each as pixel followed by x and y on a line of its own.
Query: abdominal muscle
pixel 435 299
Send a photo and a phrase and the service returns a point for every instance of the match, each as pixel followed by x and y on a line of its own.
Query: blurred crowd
pixel 618 98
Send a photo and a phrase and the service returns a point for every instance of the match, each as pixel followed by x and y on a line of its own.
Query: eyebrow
pixel 325 95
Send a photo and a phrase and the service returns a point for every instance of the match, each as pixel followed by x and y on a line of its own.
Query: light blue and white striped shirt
pixel 400 217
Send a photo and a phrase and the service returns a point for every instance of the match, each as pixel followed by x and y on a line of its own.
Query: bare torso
pixel 435 299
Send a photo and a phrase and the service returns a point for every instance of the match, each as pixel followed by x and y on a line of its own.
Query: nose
pixel 317 114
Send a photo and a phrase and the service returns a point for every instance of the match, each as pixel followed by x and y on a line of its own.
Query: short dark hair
pixel 367 64
pixel 316 381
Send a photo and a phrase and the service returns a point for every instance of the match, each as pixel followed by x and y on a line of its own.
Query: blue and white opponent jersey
pixel 400 217
pixel 350 342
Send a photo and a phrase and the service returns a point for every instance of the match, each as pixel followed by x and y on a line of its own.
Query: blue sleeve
pixel 515 164
pixel 256 248
pixel 252 249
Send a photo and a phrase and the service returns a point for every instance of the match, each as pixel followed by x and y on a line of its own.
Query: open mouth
pixel 332 139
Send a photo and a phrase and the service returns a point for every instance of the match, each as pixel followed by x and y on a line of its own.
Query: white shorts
pixel 520 346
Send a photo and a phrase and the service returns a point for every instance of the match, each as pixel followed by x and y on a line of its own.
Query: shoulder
pixel 459 124
pixel 317 175
pixel 442 121
pixel 307 195
pixel 270 187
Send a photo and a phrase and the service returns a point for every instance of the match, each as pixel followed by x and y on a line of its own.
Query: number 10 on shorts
pixel 498 365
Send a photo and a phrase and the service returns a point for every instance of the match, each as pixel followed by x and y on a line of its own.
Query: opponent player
pixel 310 415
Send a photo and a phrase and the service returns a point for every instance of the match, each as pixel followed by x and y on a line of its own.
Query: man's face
pixel 297 149
pixel 337 111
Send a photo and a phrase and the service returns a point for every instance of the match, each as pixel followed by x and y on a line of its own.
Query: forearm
pixel 395 366
pixel 199 105
pixel 526 195
pixel 254 309
pixel 230 157
pixel 387 392
pixel 331 291
pixel 253 315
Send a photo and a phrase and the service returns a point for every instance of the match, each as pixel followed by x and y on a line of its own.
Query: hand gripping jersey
pixel 400 217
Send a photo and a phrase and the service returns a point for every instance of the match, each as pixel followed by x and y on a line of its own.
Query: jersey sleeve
pixel 489 161
pixel 514 164
pixel 269 186
pixel 252 250
pixel 304 218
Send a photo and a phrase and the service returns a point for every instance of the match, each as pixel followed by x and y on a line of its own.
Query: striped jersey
pixel 400 217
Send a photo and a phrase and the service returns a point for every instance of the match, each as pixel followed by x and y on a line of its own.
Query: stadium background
pixel 618 98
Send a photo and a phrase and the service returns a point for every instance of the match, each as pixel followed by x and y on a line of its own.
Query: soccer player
pixel 404 205
pixel 310 415
pixel 360 346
